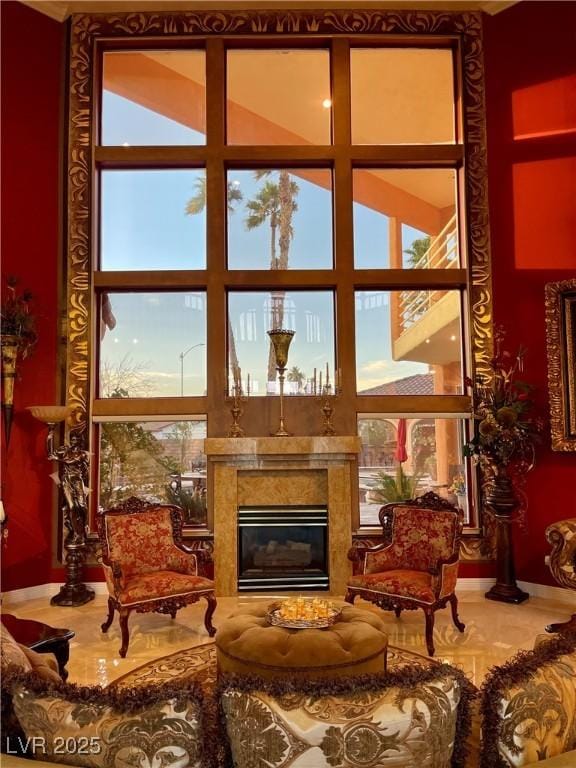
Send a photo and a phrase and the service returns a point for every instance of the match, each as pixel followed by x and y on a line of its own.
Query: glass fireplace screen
pixel 283 548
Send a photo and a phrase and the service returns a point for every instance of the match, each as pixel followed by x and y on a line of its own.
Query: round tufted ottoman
pixel 247 644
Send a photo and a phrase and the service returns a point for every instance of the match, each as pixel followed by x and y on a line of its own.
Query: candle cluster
pixel 237 387
pixel 302 608
pixel 324 386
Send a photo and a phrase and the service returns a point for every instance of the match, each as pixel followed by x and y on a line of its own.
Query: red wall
pixel 530 58
pixel 32 47
pixel 529 66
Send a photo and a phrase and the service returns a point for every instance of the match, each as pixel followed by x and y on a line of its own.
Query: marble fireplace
pixel 287 474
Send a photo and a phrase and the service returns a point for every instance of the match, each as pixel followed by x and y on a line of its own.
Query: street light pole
pixel 182 355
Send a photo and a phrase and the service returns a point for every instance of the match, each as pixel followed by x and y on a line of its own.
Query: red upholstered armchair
pixel 418 566
pixel 146 565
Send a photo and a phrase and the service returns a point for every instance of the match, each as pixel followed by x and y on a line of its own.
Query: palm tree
pixel 196 205
pixel 275 202
pixel 265 206
pixel 296 375
pixel 417 250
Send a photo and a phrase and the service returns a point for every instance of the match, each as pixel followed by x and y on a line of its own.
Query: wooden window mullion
pixel 216 337
pixel 343 234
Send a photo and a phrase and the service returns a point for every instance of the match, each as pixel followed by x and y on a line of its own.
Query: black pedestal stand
pixel 74 592
pixel 501 501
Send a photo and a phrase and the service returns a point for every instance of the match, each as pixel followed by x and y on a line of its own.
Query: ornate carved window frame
pixel 369 25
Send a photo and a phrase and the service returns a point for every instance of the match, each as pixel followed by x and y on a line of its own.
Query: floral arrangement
pixel 507 430
pixel 17 319
pixel 458 485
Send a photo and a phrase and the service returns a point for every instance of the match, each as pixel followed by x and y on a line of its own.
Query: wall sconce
pixel 73 474
pixel 3 523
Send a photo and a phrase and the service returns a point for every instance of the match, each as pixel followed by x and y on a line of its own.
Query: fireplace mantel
pixel 242 447
pixel 281 470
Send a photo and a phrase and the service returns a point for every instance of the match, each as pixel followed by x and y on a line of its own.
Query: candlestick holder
pixel 281 340
pixel 236 400
pixel 326 400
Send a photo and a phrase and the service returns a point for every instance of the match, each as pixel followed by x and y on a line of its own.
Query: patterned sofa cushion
pixel 16 657
pixel 11 653
pixel 411 718
pixel 529 706
pixel 156 725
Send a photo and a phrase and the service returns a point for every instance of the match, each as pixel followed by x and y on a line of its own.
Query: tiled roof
pixel 419 384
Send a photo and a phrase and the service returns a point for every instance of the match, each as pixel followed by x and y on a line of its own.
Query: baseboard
pixel 44 590
pixel 464 585
pixel 469 585
pixel 547 592
pixel 558 594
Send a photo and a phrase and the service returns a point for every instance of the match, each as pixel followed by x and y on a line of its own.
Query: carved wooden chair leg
pixel 172 614
pixel 429 630
pixel 209 613
pixel 454 606
pixel 124 614
pixel 397 611
pixel 350 597
pixel 106 626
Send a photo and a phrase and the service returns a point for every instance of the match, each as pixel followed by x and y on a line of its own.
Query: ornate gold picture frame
pixel 561 345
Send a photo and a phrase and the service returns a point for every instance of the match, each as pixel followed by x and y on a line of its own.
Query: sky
pixel 160 338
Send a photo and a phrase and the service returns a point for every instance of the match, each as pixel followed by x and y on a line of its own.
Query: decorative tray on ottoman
pixel 303 613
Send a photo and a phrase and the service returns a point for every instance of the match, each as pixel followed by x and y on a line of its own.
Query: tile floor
pixel 494 632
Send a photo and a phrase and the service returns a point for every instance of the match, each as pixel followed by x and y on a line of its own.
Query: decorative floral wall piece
pixel 18 336
pixel 507 428
pixel 17 319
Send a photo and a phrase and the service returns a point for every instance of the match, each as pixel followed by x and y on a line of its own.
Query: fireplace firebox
pixel 283 548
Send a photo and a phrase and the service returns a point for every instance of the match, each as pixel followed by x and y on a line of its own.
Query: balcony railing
pixel 442 253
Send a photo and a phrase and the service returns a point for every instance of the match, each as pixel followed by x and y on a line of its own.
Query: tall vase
pixel 501 501
pixel 10 346
pixel 281 340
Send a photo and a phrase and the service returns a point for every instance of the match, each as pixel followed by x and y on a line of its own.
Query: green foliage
pixel 274 202
pixel 197 202
pixel 297 376
pixel 266 205
pixel 417 250
pixel 399 488
pixel 132 459
pixel 191 502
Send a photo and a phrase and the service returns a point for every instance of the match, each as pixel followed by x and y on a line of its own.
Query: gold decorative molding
pixel 560 303
pixel 87 29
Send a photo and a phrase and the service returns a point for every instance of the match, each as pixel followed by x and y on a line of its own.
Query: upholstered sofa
pixel 415 716
pixel 527 714
pixel 528 707
pixel 159 724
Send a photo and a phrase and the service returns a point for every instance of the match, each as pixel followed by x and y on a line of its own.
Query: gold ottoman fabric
pixel 247 644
